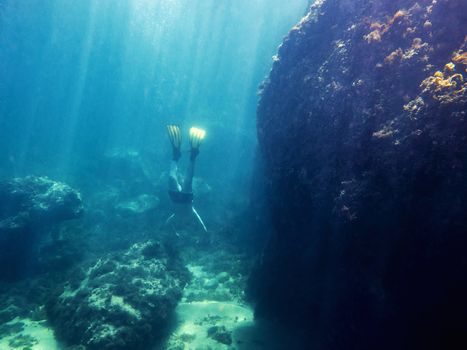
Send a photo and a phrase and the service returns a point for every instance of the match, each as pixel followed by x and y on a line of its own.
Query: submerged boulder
pixel 35 202
pixel 121 301
pixel 28 206
pixel 142 205
pixel 128 171
pixel 363 127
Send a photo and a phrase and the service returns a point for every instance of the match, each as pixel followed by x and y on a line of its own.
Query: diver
pixel 182 195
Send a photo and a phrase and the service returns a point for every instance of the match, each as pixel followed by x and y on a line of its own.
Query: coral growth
pixel 449 85
pixel 460 58
pixel 399 55
pixel 444 86
pixel 379 29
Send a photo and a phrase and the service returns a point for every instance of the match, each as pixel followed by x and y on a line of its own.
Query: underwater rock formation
pixel 27 206
pixel 131 172
pixel 36 201
pixel 142 205
pixel 362 125
pixel 121 301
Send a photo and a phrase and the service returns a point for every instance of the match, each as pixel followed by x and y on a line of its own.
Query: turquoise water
pixel 86 90
pixel 82 77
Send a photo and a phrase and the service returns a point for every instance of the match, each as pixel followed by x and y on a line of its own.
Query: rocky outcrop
pixel 36 201
pixel 27 207
pixel 121 301
pixel 127 171
pixel 362 125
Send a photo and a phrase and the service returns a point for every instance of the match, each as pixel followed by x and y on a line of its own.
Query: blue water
pixel 86 90
pixel 82 77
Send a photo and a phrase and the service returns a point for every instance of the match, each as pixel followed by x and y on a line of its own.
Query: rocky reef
pixel 120 301
pixel 28 206
pixel 362 126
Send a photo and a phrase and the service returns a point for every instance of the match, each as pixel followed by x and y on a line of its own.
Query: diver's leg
pixel 188 181
pixel 175 139
pixel 174 185
pixel 196 137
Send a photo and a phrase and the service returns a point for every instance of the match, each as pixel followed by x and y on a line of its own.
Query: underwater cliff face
pixel 362 125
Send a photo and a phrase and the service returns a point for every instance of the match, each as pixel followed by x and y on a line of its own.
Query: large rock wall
pixel 362 125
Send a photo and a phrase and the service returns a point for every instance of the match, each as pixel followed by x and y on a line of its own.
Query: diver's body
pixel 182 195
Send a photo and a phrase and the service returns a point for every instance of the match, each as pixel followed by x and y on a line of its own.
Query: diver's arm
pixel 198 218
